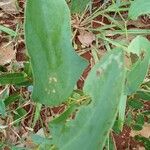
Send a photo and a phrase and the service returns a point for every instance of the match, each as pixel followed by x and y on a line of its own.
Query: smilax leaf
pixel 139 7
pixel 56 67
pixel 90 128
pixel 138 45
pixel 135 76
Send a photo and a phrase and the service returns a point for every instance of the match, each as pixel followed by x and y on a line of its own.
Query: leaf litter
pixel 7 53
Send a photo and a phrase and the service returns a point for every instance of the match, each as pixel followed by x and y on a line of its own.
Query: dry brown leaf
pixel 141 148
pixel 41 132
pixel 9 6
pixel 145 132
pixel 6 53
pixel 86 38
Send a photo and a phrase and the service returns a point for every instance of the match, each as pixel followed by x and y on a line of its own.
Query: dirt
pixel 124 141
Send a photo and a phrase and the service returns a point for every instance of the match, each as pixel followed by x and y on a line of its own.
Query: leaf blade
pixel 135 76
pixel 54 62
pixel 89 127
pixel 138 8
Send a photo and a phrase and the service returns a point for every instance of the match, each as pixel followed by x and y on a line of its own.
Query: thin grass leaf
pixel 38 107
pixel 121 111
pixel 12 78
pixel 8 31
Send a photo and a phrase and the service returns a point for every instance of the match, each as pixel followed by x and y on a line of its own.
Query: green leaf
pixel 78 6
pixel 18 148
pixel 129 119
pixel 2 108
pixel 4 93
pixel 12 78
pixel 140 119
pixel 143 94
pixel 138 45
pixel 110 143
pixel 146 112
pixel 144 140
pixel 137 127
pixel 62 118
pixel 136 75
pixel 121 112
pixel 135 104
pixel 8 31
pixel 38 107
pixel 27 69
pixel 139 122
pixel 44 143
pixel 116 127
pixel 12 98
pixel 90 128
pixel 56 67
pixel 139 7
pixel 19 113
pixel 141 47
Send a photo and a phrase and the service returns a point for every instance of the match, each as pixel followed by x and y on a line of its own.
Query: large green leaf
pixel 139 7
pixel 92 123
pixel 77 6
pixel 56 67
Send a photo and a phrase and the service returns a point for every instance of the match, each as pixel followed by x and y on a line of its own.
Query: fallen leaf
pixel 86 38
pixel 41 132
pixel 145 132
pixel 9 6
pixel 141 148
pixel 6 53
